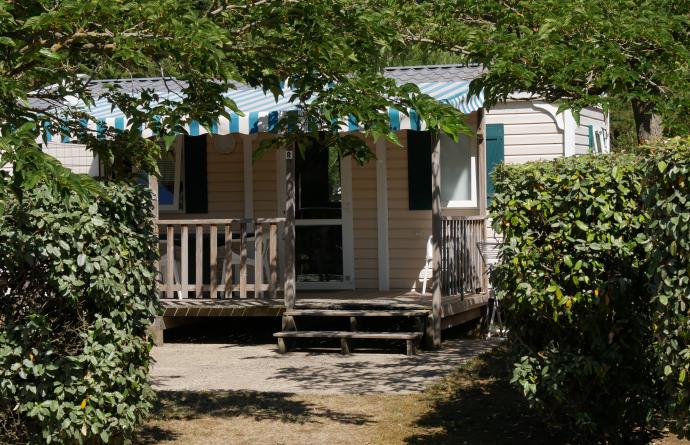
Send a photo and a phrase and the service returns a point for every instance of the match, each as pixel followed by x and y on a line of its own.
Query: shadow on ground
pixel 396 374
pixel 260 406
pixel 476 404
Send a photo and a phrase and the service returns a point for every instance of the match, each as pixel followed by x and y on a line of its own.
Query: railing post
pixel 170 256
pixel 436 231
pixel 199 262
pixel 273 259
pixel 243 259
pixel 258 260
pixel 184 259
pixel 213 263
pixel 227 263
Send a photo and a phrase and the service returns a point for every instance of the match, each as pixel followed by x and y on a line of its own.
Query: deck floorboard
pixel 272 307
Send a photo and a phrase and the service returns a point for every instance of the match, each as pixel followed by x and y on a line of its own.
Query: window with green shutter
pixel 495 154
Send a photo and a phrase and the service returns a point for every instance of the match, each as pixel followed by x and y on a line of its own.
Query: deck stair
pixel 294 317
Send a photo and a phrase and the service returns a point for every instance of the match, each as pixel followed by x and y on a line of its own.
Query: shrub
pixel 595 276
pixel 572 278
pixel 78 293
pixel 667 197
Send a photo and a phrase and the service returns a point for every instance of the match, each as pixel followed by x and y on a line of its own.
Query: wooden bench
pixel 411 338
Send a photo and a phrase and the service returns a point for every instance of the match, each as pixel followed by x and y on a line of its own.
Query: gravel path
pixel 213 367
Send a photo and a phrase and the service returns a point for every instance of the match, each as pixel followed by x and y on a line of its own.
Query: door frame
pixel 345 221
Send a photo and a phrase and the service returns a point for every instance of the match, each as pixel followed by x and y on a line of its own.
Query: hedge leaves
pixel 78 292
pixel 595 276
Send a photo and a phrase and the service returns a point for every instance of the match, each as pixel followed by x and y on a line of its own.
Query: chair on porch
pixel 426 272
pixel 235 261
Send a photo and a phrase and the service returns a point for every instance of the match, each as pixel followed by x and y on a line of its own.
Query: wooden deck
pixel 455 309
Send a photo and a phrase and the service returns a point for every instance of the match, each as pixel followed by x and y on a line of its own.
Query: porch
pixel 245 268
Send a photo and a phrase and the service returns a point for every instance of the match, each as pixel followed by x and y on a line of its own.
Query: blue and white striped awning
pixel 261 111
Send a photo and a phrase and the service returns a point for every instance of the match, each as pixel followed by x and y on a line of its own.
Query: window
pixel 170 184
pixel 458 172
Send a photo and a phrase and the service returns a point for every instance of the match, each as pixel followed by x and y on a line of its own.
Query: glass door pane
pixel 319 253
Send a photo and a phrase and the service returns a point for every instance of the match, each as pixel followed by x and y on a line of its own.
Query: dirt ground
pixel 472 404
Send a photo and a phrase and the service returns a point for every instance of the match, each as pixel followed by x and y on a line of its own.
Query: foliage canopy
pixel 330 50
pixel 576 52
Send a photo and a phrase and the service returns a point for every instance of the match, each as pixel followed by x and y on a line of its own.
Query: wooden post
pixel 288 322
pixel 436 229
pixel 158 326
pixel 153 186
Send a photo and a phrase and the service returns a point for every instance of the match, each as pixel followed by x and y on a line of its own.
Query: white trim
pixel 382 215
pixel 348 229
pixel 248 177
pixel 569 127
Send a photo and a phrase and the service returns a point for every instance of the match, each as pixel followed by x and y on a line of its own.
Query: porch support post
pixel 155 330
pixel 288 322
pixel 436 296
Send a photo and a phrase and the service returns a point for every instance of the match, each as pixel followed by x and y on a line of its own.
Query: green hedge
pixel 594 276
pixel 78 293
pixel 668 201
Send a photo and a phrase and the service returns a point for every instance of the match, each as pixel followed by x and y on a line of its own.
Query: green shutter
pixel 195 175
pixel 591 138
pixel 419 169
pixel 495 153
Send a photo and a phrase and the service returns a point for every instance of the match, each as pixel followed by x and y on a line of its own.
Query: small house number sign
pixel 288 154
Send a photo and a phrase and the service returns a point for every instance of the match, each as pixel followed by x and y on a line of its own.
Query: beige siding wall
pixel 73 156
pixel 408 230
pixel 265 183
pixel 226 182
pixel 530 134
pixel 365 225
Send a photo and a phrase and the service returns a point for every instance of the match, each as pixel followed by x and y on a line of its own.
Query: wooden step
pixel 411 338
pixel 357 313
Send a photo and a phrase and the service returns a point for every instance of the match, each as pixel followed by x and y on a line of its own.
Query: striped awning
pixel 261 111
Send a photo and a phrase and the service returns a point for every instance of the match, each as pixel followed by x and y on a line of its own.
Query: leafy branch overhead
pixel 578 52
pixel 330 51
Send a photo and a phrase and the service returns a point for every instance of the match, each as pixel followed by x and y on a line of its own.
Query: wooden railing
pixel 462 268
pixel 210 258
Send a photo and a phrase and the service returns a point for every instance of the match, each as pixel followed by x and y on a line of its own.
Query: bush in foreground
pixel 594 276
pixel 78 294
